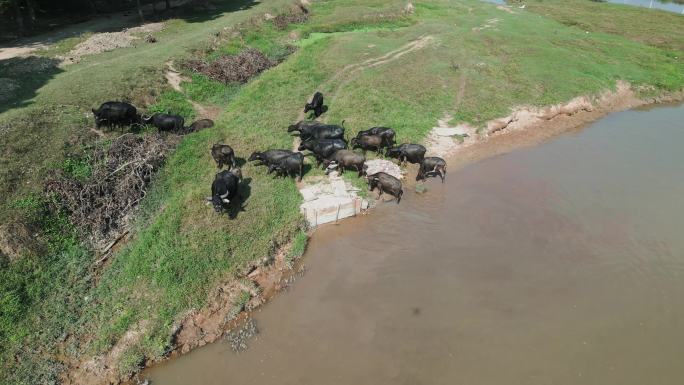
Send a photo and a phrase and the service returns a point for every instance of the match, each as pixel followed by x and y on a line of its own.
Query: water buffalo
pixel 323 148
pixel 368 142
pixel 269 157
pixel 165 122
pixel 386 183
pixel 200 125
pixel 112 114
pixel 316 130
pixel 224 189
pixel 386 133
pixel 316 105
pixel 223 154
pixel 432 166
pixel 292 164
pixel 413 153
pixel 345 159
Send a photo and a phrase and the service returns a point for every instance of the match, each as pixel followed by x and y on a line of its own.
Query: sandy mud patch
pixel 109 41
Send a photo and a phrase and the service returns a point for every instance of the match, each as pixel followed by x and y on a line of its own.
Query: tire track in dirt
pixel 355 68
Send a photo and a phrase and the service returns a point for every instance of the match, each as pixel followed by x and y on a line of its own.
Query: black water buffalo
pixel 368 142
pixel 269 157
pixel 432 166
pixel 223 154
pixel 165 122
pixel 316 130
pixel 112 114
pixel 224 188
pixel 386 133
pixel 386 183
pixel 316 105
pixel 413 153
pixel 345 159
pixel 200 125
pixel 291 165
pixel 323 148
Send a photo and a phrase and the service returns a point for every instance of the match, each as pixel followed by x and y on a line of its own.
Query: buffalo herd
pixel 122 114
pixel 325 142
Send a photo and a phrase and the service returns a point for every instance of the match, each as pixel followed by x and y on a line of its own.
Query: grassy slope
pixel 181 249
pixel 658 28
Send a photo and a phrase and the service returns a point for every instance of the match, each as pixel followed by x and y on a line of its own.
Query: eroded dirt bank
pixel 527 126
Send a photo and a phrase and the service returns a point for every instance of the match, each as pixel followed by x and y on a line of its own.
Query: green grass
pixel 176 103
pixel 649 26
pixel 180 250
pixel 201 89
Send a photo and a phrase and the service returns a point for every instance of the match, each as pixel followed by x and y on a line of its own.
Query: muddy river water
pixel 556 264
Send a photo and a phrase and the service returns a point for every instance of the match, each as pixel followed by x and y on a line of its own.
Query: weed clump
pixel 119 177
pixel 297 15
pixel 233 68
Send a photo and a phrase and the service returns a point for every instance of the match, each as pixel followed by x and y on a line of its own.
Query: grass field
pixel 376 66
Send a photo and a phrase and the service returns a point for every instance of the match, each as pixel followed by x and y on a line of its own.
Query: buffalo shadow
pixel 236 206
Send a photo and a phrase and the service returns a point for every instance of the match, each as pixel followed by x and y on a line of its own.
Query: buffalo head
pixel 255 156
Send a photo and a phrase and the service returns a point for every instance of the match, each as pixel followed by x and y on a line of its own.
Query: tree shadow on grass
pixel 22 77
pixel 215 10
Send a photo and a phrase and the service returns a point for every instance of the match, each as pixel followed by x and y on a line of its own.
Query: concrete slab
pixel 381 165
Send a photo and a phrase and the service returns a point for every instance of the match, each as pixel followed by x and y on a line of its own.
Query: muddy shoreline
pixel 526 126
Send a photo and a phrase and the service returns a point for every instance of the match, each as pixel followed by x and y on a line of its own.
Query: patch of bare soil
pixel 108 41
pixel 488 24
pixel 102 369
pixel 173 77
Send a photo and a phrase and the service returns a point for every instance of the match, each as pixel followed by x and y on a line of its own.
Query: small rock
pixel 421 189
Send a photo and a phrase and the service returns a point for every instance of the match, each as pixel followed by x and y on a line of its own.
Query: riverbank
pixel 552 256
pixel 531 125
pixel 378 64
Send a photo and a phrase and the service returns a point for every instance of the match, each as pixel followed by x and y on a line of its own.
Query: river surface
pixel 556 264
pixel 664 5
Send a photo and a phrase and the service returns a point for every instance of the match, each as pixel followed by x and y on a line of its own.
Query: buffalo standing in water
pixel 112 114
pixel 316 105
pixel 432 166
pixel 386 183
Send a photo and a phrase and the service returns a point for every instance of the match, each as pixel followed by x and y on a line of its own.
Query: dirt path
pixel 110 22
pixel 23 47
pixel 391 56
